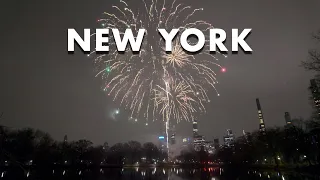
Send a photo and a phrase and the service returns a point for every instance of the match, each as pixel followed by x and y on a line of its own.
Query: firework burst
pixel 176 99
pixel 135 80
pixel 178 57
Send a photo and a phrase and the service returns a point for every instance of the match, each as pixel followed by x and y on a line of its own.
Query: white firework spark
pixel 177 100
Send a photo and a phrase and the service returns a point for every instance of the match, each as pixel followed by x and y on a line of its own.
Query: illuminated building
pixel 162 143
pixel 229 138
pixel 315 94
pixel 209 147
pixel 173 139
pixel 287 117
pixel 262 127
pixel 173 136
pixel 198 140
pixel 184 140
pixel 186 143
pixel 195 128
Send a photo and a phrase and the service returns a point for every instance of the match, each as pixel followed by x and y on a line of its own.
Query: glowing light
pixel 223 69
pixel 161 137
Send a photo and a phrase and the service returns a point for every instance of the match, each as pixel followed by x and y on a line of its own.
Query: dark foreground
pixel 214 173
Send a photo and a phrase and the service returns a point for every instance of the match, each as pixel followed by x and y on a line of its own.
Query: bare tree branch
pixel 313 62
pixel 316 36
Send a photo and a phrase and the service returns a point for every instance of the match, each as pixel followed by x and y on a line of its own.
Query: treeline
pixel 30 147
pixel 289 145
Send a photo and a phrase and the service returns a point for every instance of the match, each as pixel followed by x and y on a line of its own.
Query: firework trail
pixel 177 100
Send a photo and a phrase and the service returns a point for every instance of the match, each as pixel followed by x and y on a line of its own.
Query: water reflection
pixel 150 173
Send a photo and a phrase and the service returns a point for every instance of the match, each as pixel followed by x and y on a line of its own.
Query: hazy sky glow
pixel 44 87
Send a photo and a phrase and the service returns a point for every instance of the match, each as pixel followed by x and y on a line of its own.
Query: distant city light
pixel 161 137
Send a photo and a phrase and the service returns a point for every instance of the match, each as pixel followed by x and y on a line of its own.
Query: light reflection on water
pixel 150 173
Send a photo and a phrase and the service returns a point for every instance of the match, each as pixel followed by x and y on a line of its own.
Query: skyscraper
pixel 287 117
pixel 173 135
pixel 195 128
pixel 198 140
pixel 315 94
pixel 229 138
pixel 262 127
pixel 162 143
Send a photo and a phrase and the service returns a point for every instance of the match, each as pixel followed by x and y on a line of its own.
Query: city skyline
pixel 47 89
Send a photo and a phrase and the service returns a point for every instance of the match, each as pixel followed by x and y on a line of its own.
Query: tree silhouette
pixel 313 62
pixel 295 144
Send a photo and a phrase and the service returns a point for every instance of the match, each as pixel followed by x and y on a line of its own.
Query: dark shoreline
pixel 314 169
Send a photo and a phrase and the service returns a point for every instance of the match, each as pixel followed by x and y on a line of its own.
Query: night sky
pixel 44 87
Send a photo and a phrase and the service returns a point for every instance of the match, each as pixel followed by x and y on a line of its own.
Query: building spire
pixel 262 127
